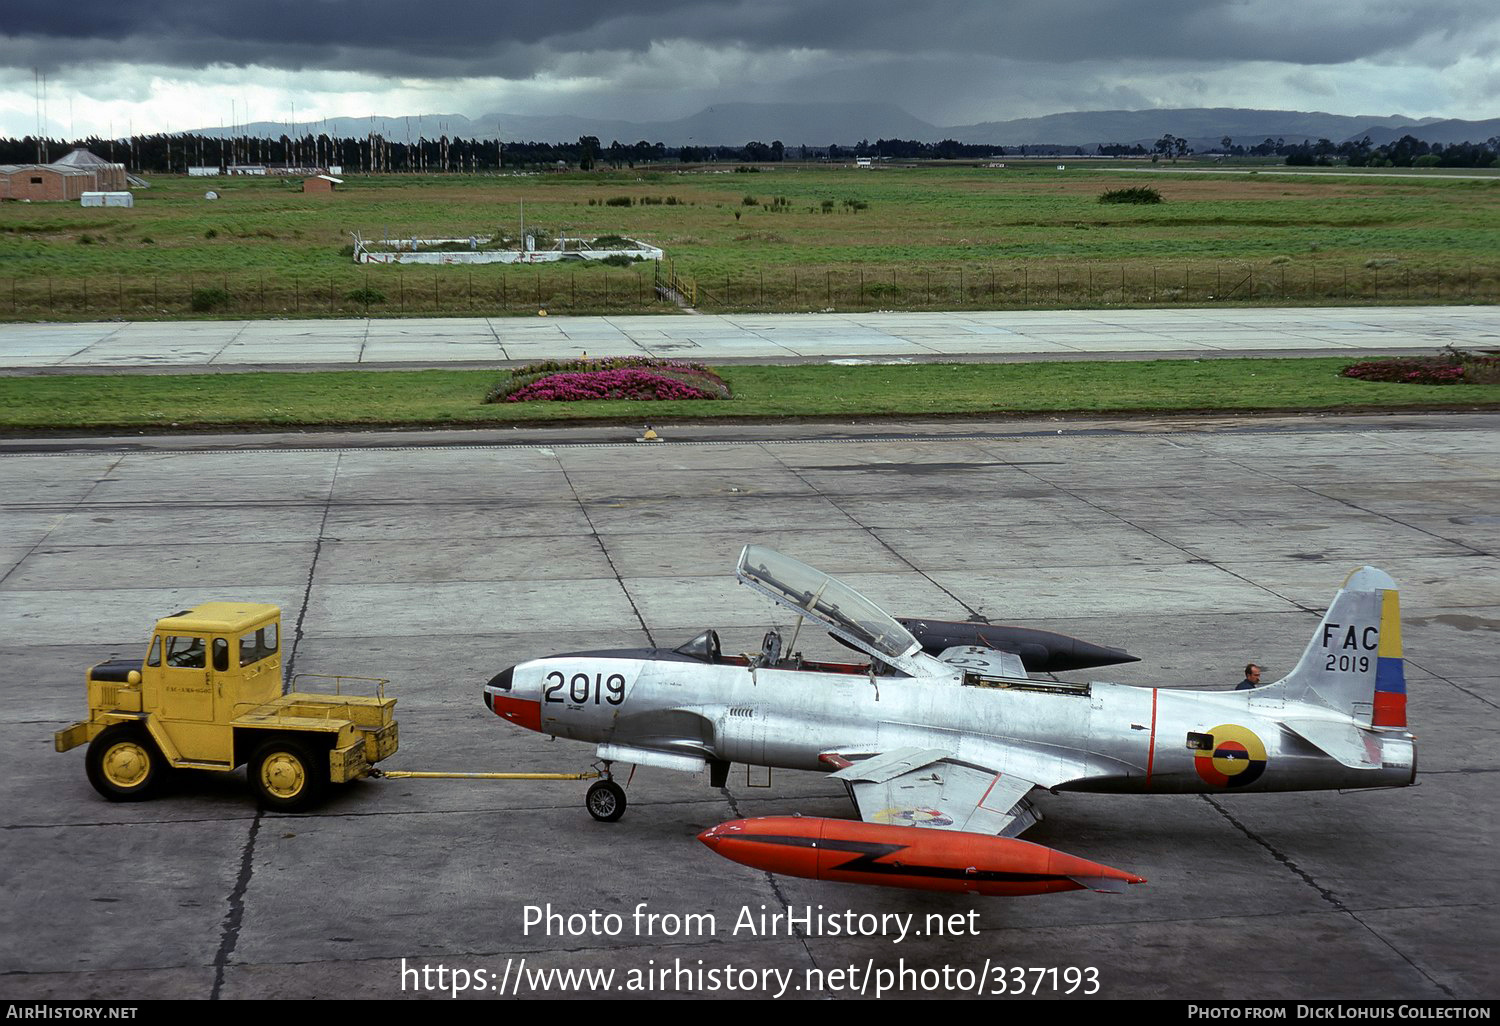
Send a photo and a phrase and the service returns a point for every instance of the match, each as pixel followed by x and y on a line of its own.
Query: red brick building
pixel 43 182
pixel 66 179
pixel 320 183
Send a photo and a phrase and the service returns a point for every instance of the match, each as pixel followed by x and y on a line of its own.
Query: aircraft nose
pixel 499 682
pixel 501 697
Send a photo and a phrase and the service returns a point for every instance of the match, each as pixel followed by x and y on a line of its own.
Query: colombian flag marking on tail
pixel 1390 675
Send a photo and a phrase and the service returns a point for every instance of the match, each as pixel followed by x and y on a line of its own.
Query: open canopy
pixel 812 593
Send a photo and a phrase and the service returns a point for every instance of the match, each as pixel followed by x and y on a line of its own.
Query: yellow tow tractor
pixel 208 696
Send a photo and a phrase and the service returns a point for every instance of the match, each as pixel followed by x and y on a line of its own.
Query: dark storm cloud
pixel 517 40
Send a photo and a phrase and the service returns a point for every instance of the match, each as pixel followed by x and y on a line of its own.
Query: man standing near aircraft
pixel 1252 678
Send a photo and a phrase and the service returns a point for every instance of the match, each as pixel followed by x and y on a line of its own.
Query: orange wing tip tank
pixel 845 851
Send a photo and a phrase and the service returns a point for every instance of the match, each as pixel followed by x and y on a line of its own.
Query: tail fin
pixel 1353 664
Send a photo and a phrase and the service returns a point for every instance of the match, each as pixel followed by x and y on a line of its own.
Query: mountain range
pixel 819 124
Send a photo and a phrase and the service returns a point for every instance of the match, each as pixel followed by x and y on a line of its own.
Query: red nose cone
pixel 518 711
pixel 722 832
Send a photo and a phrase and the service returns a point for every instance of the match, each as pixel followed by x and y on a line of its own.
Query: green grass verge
pixel 933 237
pixel 454 398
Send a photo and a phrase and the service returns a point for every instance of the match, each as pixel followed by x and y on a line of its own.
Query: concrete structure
pixel 210 170
pixel 108 199
pixel 299 170
pixel 860 337
pixel 437 558
pixel 468 251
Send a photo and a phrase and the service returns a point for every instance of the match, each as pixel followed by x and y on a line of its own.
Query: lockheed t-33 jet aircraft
pixel 940 751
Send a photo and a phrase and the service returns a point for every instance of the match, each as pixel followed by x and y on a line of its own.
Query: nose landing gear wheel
pixel 605 801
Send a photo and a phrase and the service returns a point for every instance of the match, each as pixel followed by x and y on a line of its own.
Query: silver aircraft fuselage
pixel 656 707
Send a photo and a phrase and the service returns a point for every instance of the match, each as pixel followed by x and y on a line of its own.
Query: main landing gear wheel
pixel 124 764
pixel 605 801
pixel 287 776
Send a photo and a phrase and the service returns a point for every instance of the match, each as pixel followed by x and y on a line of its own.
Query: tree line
pixel 1407 151
pixel 374 153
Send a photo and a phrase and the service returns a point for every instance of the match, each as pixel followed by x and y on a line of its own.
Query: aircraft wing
pixel 928 787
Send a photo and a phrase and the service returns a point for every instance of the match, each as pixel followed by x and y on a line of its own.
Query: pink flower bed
pixel 612 384
pixel 1410 370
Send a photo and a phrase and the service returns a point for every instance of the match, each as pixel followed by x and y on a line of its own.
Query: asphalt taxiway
pixel 437 560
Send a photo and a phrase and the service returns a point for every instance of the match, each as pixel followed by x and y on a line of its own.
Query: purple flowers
pixel 610 384
pixel 1416 370
pixel 620 377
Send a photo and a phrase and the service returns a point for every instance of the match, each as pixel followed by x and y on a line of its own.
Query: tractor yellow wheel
pixel 124 764
pixel 283 776
pixel 287 775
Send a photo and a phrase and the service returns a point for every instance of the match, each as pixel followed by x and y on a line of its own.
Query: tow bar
pixel 422 775
pixel 605 799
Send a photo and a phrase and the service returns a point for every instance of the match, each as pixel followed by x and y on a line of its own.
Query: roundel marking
pixel 1237 759
pixel 913 817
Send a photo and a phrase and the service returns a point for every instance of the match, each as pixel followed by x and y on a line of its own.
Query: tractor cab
pixel 213 661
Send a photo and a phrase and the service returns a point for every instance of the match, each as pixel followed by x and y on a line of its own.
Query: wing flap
pixel 929 788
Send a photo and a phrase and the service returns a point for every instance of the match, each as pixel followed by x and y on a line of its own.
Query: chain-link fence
pixel 451 291
pixel 1096 285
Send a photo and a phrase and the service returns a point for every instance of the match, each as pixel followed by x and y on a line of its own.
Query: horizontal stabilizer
pixel 1342 741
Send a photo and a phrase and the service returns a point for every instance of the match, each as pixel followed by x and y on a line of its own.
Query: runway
pixel 1196 544
pixel 994 335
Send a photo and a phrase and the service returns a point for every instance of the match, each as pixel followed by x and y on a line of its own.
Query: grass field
pixel 157 403
pixel 789 238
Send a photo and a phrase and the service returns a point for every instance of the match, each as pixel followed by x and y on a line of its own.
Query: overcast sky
pixel 171 65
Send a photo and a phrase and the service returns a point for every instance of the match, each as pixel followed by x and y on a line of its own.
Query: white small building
pixel 107 199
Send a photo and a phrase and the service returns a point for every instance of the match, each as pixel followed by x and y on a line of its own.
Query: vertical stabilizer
pixel 1353 665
